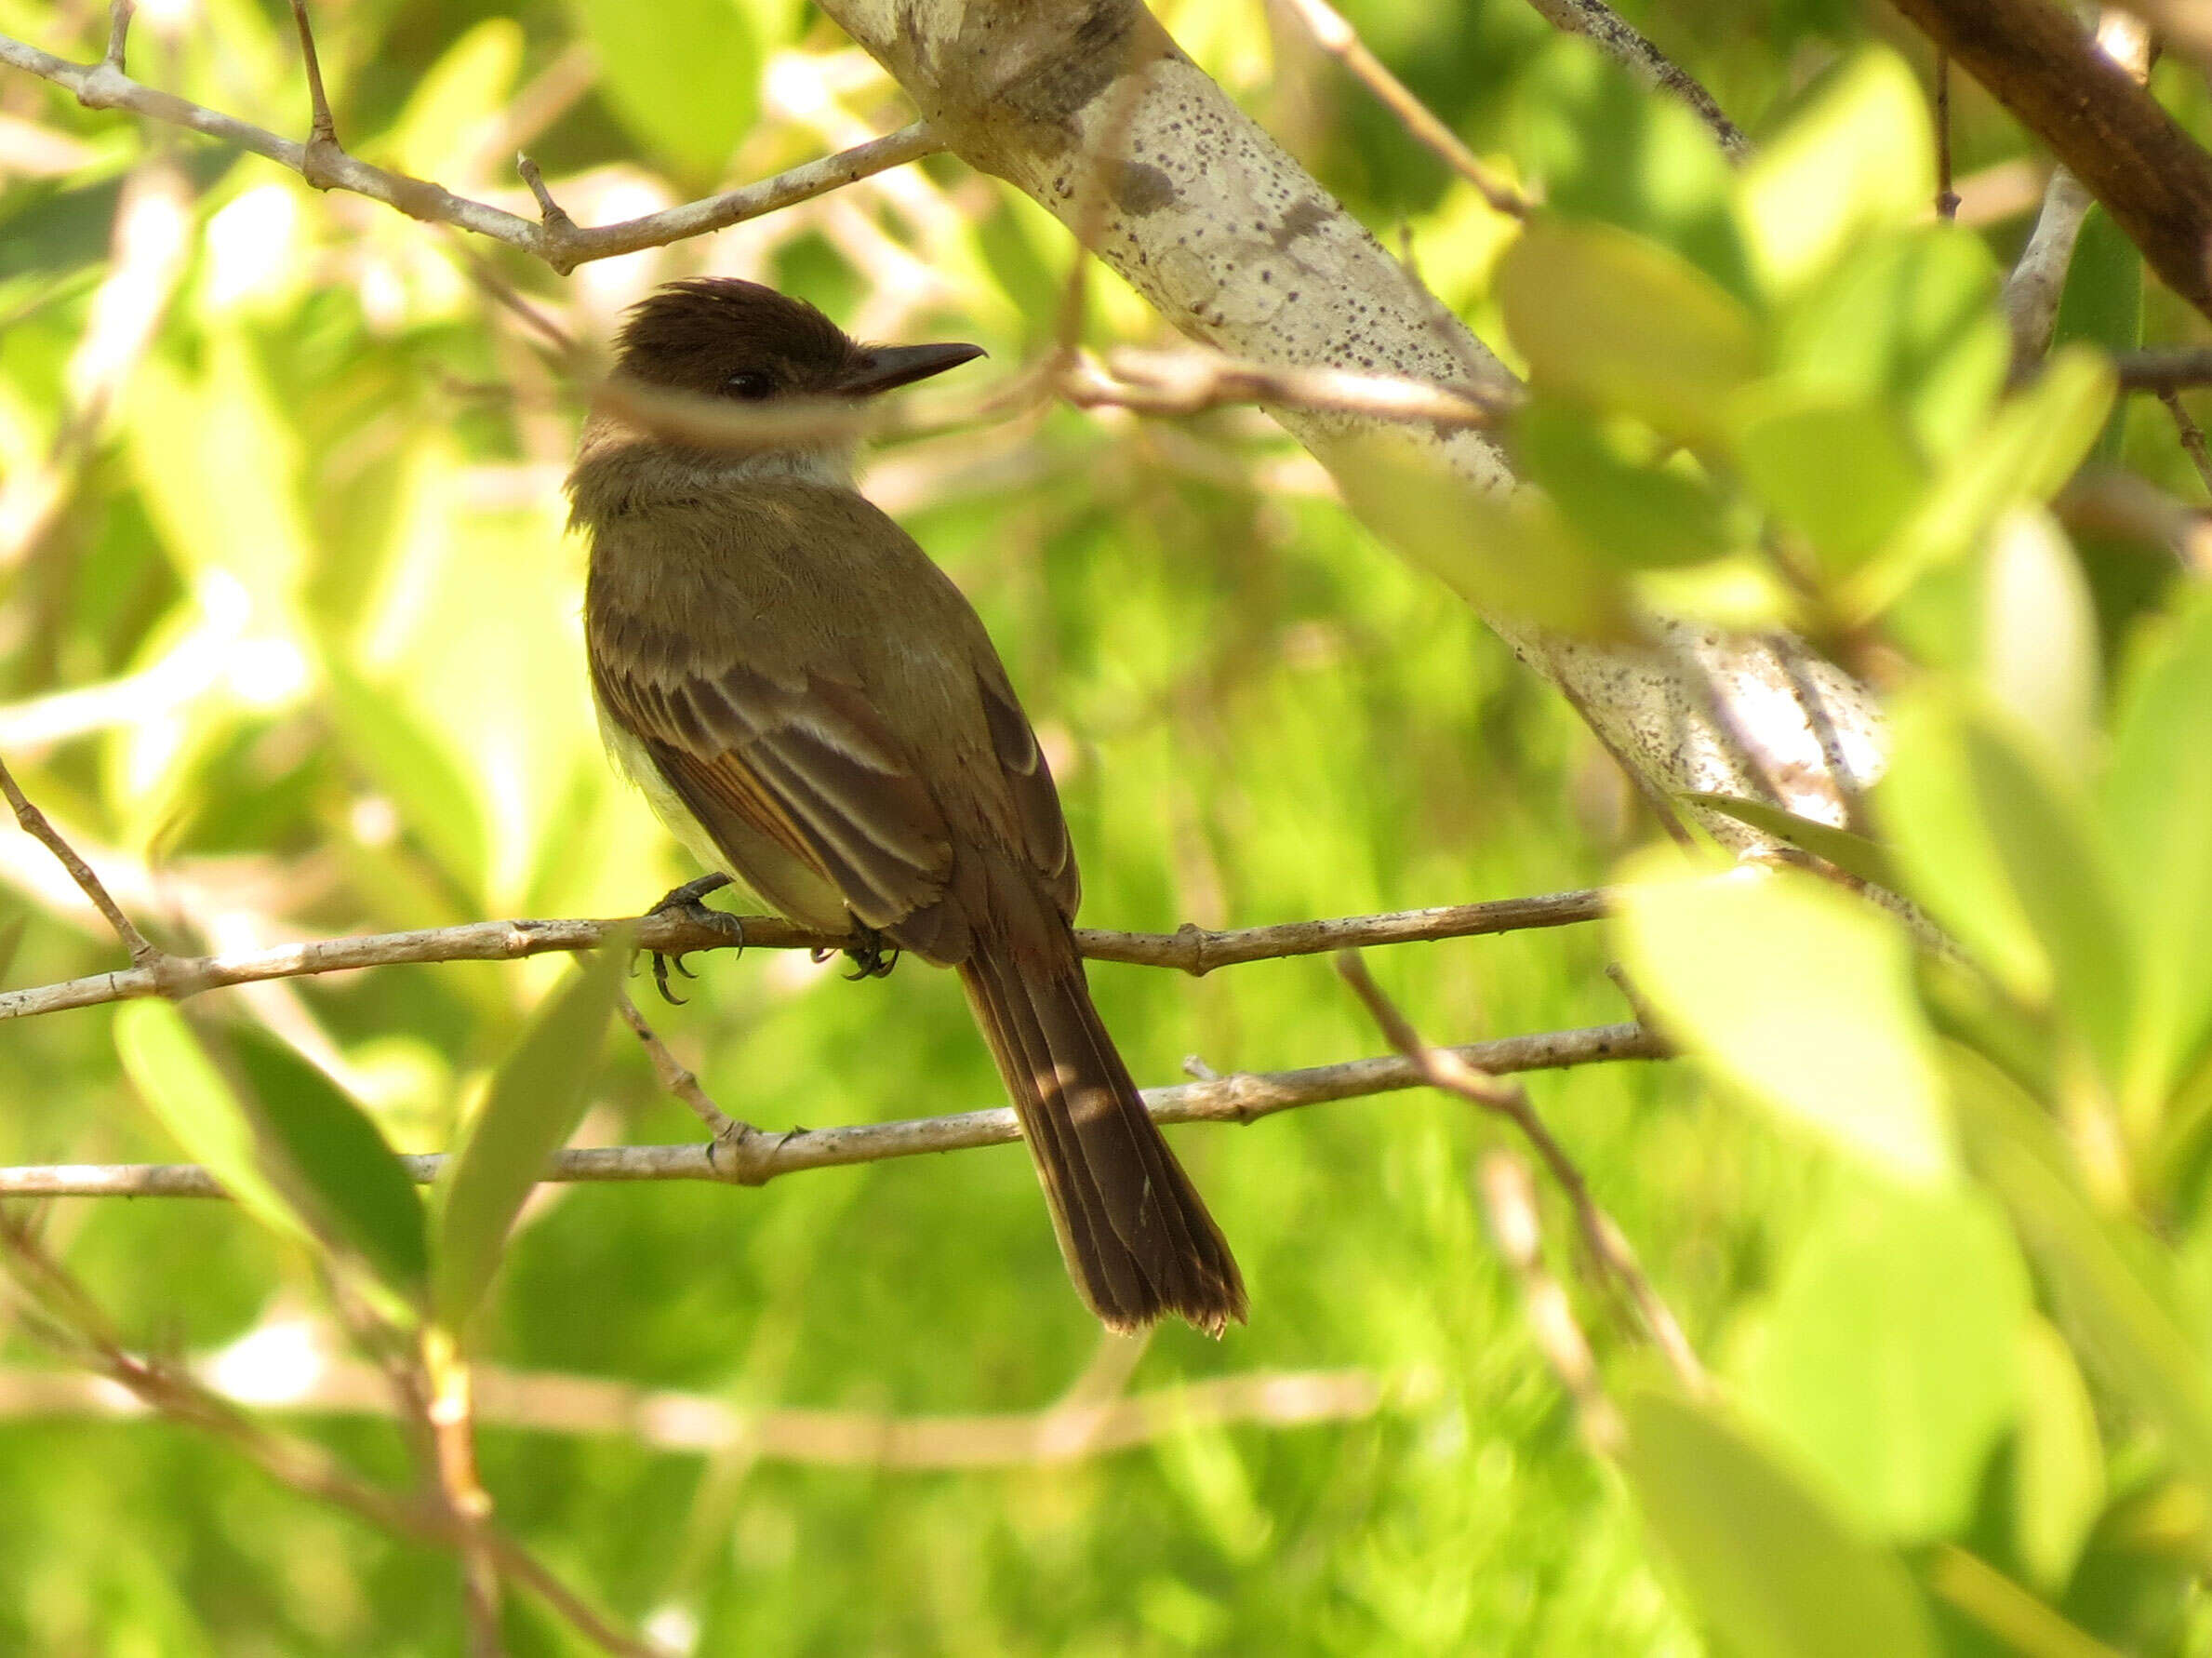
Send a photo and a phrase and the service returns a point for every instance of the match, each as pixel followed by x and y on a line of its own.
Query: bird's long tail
pixel 1136 1235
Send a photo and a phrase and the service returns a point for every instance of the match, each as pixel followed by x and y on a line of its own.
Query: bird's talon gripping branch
pixel 685 901
pixel 873 958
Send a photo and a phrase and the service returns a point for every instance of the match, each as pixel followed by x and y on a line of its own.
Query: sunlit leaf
pixel 453 103
pixel 536 1101
pixel 1874 1360
pixel 1507 555
pixel 2156 807
pixel 1840 474
pixel 1799 996
pixel 2030 451
pixel 1859 156
pixel 1628 511
pixel 345 1172
pixel 193 1101
pixel 1853 854
pixel 1625 326
pixel 2057 1460
pixel 1771 1566
pixel 2038 657
pixel 435 800
pixel 2102 302
pixel 2111 1281
pixel 683 74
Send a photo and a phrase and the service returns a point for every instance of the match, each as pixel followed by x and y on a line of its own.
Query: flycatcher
pixel 814 709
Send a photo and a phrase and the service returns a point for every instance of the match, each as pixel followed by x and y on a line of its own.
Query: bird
pixel 816 710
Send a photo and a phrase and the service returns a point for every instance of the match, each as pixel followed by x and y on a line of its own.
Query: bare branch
pixel 679 1079
pixel 1076 1428
pixel 564 245
pixel 2192 435
pixel 2171 370
pixel 1947 199
pixel 1509 1204
pixel 762 1154
pixel 1618 39
pixel 144 955
pixel 1181 382
pixel 1452 1071
pixel 1190 950
pixel 1334 35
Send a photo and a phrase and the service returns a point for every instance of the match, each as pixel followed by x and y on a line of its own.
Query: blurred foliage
pixel 1951 1266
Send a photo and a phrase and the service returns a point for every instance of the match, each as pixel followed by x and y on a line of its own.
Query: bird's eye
pixel 749 383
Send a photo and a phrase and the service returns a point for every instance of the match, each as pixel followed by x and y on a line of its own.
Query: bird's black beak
pixel 884 368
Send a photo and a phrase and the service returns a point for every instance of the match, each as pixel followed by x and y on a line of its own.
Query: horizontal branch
pixel 754 1157
pixel 1189 382
pixel 557 240
pixel 1191 949
pixel 2173 369
pixel 701 1424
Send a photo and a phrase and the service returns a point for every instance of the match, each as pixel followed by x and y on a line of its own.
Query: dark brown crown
pixel 697 334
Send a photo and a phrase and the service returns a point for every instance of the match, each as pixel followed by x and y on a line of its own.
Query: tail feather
pixel 1136 1235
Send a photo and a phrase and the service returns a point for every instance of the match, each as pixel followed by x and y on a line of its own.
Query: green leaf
pixel 682 74
pixel 1840 474
pixel 1853 854
pixel 1934 825
pixel 1858 157
pixel 1627 511
pixel 193 1100
pixel 2110 1280
pixel 455 104
pixel 1875 1362
pixel 2058 1461
pixel 1624 325
pixel 2157 805
pixel 2038 655
pixel 1508 555
pixel 1608 148
pixel 1769 1566
pixel 340 1166
pixel 2062 875
pixel 2103 303
pixel 1797 995
pixel 2033 445
pixel 1908 323
pixel 536 1101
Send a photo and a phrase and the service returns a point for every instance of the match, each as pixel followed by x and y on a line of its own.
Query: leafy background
pixel 325 523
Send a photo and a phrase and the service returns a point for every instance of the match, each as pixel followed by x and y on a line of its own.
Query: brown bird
pixel 814 709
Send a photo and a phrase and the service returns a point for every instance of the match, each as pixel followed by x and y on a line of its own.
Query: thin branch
pixel 2168 369
pixel 677 1078
pixel 144 955
pixel 1452 1071
pixel 1334 35
pixel 1947 199
pixel 2192 435
pixel 2038 277
pixel 1508 1205
pixel 1076 1428
pixel 1190 950
pixel 1618 39
pixel 327 166
pixel 67 1317
pixel 764 1155
pixel 1181 382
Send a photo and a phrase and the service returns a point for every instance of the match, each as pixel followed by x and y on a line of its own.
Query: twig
pixel 1244 1097
pixel 1180 383
pixel 69 1318
pixel 1509 1204
pixel 103 86
pixel 1190 950
pixel 1452 1071
pixel 2167 369
pixel 144 954
pixel 2192 435
pixel 1947 199
pixel 1071 1429
pixel 1334 35
pixel 453 1458
pixel 679 1079
pixel 1618 40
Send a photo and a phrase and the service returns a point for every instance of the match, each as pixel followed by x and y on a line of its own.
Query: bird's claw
pixel 685 901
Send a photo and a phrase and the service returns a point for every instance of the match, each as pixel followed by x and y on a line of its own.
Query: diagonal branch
pixel 758 1156
pixel 144 955
pixel 561 244
pixel 1618 39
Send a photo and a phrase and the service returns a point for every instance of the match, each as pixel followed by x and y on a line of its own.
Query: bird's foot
pixel 685 901
pixel 873 957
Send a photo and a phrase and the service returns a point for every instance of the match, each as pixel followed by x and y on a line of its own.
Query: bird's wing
pixel 804 761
